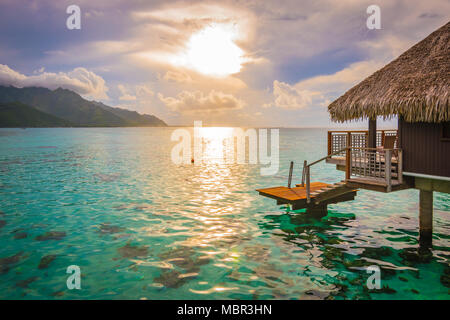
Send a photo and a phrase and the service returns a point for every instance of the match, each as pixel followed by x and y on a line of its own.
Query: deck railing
pixel 374 164
pixel 357 139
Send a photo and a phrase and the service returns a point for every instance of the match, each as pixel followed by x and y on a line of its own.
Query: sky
pixel 228 63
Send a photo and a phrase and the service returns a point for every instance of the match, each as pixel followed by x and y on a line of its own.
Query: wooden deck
pixel 377 184
pixel 297 196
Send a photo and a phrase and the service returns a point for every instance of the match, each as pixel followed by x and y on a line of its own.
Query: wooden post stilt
pixel 372 133
pixel 291 167
pixel 320 210
pixel 348 157
pixel 305 163
pixel 388 169
pixel 330 143
pixel 425 216
pixel 308 185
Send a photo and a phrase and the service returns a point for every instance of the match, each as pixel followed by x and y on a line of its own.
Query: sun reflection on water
pixel 215 140
pixel 213 185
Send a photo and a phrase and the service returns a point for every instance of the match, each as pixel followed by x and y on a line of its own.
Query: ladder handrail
pixel 328 156
pixel 306 174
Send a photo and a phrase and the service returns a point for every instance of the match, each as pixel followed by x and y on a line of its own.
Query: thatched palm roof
pixel 415 85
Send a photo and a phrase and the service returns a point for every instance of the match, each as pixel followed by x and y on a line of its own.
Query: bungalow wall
pixel 426 147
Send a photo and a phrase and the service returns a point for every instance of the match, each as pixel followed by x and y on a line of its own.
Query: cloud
pixel 137 97
pixel 79 80
pixel 93 14
pixel 143 92
pixel 42 69
pixel 195 16
pixel 321 90
pixel 289 97
pixel 188 101
pixel 339 82
pixel 176 76
pixel 125 96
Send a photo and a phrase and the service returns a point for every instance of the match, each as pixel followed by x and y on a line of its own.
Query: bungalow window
pixel 446 131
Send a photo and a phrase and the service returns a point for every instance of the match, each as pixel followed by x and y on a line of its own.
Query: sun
pixel 212 51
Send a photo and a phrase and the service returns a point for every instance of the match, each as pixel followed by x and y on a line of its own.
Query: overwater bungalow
pixel 414 88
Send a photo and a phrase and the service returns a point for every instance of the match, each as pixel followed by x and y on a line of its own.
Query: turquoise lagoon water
pixel 111 201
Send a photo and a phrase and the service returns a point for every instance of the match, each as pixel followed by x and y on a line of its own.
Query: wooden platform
pixel 297 196
pixel 292 194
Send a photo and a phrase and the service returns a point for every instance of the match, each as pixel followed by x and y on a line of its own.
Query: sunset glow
pixel 212 51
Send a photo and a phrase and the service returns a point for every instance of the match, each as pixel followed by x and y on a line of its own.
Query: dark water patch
pixel 184 258
pixel 72 155
pixel 53 160
pixel 5 263
pixel 123 235
pixel 384 289
pixel 58 294
pixel 257 253
pixel 107 177
pixel 47 147
pixel 352 263
pixel 109 229
pixel 130 251
pixel 51 235
pixel 332 256
pixel 134 206
pixel 341 288
pixel 24 283
pixel 171 279
pixel 20 235
pixel 39 225
pixel 141 207
pixel 412 256
pixel 445 277
pixel 2 223
pixel 189 264
pixel 8 162
pixel 376 253
pixel 317 294
pixel 387 272
pixel 46 260
pixel 4 133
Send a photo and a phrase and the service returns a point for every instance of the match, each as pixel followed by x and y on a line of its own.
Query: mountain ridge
pixel 16 114
pixel 71 107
